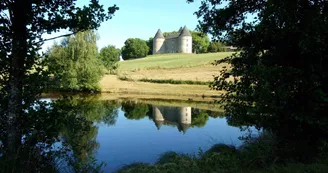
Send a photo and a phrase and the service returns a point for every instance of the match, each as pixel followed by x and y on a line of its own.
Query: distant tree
pixel 110 56
pixel 165 34
pixel 75 63
pixel 216 47
pixel 134 48
pixel 150 45
pixel 200 42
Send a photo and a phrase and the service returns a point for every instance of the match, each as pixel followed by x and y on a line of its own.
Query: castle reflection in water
pixel 176 116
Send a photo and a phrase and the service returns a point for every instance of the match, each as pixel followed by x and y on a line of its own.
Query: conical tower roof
pixel 185 32
pixel 183 127
pixel 159 34
pixel 158 124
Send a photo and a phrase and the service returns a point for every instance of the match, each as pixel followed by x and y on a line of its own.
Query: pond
pixel 165 129
pixel 122 132
pixel 142 130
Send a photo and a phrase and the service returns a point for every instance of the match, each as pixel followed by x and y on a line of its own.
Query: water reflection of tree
pixel 79 129
pixel 199 118
pixel 69 124
pixel 135 111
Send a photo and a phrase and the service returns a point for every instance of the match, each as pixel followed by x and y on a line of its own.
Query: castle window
pixel 187 45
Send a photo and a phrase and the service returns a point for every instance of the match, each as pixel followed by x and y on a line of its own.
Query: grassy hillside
pixel 191 67
pixel 169 61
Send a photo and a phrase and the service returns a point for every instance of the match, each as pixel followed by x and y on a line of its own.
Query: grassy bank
pixel 111 84
pixel 255 156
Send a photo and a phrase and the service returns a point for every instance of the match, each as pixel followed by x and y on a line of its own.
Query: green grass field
pixel 167 74
pixel 170 61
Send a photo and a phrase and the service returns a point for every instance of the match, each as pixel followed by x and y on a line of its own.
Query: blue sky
pixel 141 19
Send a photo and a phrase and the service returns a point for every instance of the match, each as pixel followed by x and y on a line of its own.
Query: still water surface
pixel 142 132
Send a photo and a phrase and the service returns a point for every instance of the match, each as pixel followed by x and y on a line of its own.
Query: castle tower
pixel 184 119
pixel 185 41
pixel 158 42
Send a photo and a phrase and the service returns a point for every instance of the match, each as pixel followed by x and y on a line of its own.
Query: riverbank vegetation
pixel 257 155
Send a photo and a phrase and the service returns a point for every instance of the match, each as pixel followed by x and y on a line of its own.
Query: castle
pixel 176 116
pixel 180 42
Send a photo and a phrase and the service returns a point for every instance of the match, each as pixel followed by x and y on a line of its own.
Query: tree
pixel 75 63
pixel 200 42
pixel 216 47
pixel 22 25
pixel 150 45
pixel 280 76
pixel 110 57
pixel 134 48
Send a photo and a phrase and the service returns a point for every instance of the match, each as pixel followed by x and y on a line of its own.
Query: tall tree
pixel 23 22
pixel 110 57
pixel 134 48
pixel 150 45
pixel 280 75
pixel 75 63
pixel 200 42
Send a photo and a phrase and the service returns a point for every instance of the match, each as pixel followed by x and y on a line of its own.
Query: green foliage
pixel 200 42
pixel 165 34
pixel 166 157
pixel 216 47
pixel 280 74
pixel 110 56
pixel 75 63
pixel 134 48
pixel 150 45
pixel 135 111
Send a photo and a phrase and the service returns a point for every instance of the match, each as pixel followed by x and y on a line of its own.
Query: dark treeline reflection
pixel 58 136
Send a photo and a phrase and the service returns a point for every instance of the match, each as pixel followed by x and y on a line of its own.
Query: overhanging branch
pixel 65 35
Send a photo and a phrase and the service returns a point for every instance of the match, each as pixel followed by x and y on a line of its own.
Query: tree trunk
pixel 18 15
